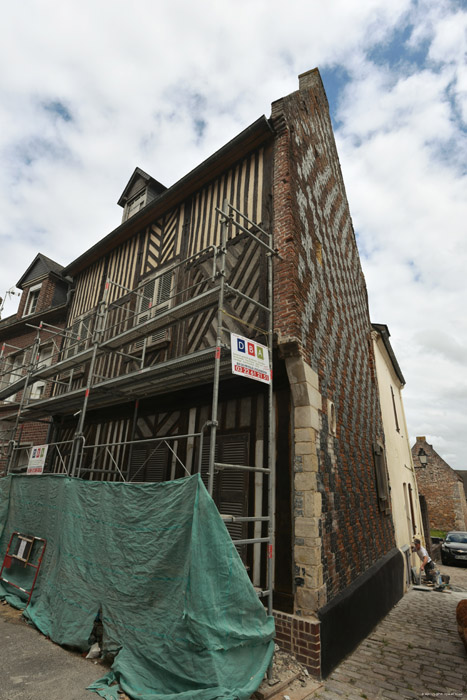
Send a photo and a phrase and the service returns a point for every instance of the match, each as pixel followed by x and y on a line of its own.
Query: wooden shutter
pixel 149 463
pixel 164 289
pixel 382 482
pixel 156 299
pixel 162 302
pixel 230 490
pixel 148 296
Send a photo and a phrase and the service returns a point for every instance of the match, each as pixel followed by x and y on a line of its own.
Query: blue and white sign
pixel 37 459
pixel 250 359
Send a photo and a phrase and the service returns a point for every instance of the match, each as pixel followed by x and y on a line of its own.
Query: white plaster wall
pixel 398 453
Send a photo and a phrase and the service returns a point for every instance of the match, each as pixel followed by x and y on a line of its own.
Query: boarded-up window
pixel 382 481
pixel 396 419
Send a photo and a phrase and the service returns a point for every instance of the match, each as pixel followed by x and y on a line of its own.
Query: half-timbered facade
pixel 143 388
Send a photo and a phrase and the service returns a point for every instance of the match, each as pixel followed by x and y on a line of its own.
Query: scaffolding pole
pixel 100 319
pixel 271 442
pixel 217 359
pixel 34 356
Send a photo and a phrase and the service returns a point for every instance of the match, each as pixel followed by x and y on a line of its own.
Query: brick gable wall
pixel 322 309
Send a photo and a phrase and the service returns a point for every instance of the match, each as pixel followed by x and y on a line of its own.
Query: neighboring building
pixel 402 480
pixel 149 331
pixel 442 488
pixel 41 313
pixel 463 475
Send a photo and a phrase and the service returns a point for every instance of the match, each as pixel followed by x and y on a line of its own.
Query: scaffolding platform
pixel 13 388
pixel 63 365
pixel 186 371
pixel 164 319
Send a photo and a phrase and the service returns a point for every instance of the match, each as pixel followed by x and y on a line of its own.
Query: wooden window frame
pixel 129 211
pixel 32 299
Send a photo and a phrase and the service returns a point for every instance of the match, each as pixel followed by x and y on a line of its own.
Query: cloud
pixel 403 149
pixel 94 89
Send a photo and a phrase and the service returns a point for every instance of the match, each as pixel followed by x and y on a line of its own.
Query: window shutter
pixel 145 304
pixel 156 298
pixel 230 488
pixel 148 463
pixel 382 481
pixel 148 296
pixel 164 288
pixel 162 302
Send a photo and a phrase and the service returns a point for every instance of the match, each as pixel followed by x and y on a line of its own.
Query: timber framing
pixel 257 134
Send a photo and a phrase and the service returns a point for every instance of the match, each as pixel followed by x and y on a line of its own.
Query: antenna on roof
pixel 9 293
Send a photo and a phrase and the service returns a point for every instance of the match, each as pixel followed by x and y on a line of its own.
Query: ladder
pixel 229 216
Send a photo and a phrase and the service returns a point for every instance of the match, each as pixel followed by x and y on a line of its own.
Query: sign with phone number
pixel 37 459
pixel 251 373
pixel 250 359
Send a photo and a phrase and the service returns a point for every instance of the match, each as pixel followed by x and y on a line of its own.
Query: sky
pixel 91 89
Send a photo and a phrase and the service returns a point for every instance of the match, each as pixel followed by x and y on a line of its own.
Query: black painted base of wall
pixel 350 617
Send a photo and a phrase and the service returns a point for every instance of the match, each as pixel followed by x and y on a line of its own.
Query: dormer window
pixel 31 301
pixel 134 205
pixel 140 191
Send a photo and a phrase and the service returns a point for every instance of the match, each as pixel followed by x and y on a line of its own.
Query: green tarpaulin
pixel 158 562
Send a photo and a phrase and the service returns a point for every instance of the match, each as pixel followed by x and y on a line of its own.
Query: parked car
pixel 454 548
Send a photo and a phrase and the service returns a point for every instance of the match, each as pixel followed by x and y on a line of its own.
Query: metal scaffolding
pixel 72 361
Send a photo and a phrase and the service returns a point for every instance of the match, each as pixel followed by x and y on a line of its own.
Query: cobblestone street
pixel 415 652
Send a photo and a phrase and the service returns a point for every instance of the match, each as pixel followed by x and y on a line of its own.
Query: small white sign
pixel 250 359
pixel 37 459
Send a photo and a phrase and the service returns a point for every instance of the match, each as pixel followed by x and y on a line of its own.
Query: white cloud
pixel 403 151
pixel 163 85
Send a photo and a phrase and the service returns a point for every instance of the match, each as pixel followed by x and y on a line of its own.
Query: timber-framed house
pixel 256 243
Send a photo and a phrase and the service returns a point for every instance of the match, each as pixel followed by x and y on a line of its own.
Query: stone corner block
pixel 295 369
pixel 306 417
pixel 310 601
pixel 311 376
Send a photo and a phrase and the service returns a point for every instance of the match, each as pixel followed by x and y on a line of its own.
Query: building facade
pixel 402 485
pixel 441 486
pixel 255 244
pixel 30 338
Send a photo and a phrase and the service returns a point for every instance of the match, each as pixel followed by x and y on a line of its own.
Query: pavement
pixel 415 652
pixel 34 668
